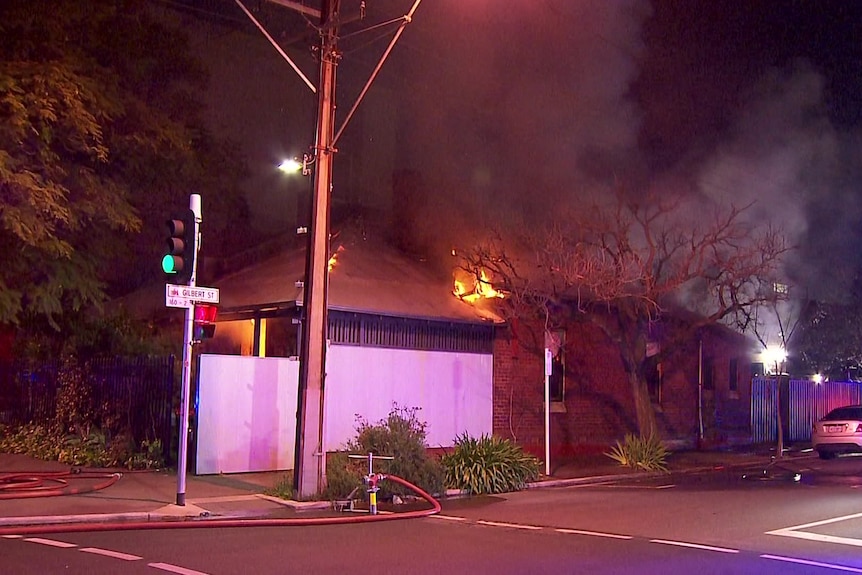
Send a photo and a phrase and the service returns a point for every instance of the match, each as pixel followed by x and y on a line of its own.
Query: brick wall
pixel 598 407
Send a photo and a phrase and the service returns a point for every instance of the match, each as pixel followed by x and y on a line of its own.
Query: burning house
pixel 401 333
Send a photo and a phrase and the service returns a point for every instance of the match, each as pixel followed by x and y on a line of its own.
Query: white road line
pixel 593 533
pixel 50 542
pixel 13 537
pixel 796 531
pixel 512 525
pixel 175 569
pixel 817 537
pixel 845 568
pixel 449 517
pixel 818 523
pixel 694 546
pixel 109 553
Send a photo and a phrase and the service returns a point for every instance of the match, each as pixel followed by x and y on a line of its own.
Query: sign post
pixel 183 440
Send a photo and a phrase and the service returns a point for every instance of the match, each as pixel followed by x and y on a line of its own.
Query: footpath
pixel 40 493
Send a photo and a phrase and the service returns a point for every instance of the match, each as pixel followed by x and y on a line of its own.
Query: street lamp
pixel 774 355
pixel 294 165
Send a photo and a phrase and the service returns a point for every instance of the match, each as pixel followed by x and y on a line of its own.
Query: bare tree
pixel 625 264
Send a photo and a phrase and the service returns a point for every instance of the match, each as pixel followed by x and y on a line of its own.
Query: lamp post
pixel 776 355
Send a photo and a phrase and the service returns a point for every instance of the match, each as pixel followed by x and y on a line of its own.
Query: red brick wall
pixel 598 400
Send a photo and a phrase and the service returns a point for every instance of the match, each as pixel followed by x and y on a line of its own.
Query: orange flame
pixel 481 289
pixel 333 260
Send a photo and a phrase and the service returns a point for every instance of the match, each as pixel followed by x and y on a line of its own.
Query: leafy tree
pixel 99 130
pixel 627 263
pixel 830 338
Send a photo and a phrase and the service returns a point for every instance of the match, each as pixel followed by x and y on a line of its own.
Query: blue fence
pixel 802 402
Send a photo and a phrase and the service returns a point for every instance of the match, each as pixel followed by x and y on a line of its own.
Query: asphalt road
pixel 801 517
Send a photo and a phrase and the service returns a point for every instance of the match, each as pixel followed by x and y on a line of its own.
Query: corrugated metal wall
pixel 764 411
pixel 803 402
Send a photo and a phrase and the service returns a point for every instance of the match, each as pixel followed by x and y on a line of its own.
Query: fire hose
pixel 51 484
pixel 202 523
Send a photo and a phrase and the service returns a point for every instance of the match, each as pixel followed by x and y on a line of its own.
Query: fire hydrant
pixel 371 480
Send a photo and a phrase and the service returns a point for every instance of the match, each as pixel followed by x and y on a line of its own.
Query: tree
pixel 628 263
pixel 100 131
pixel 829 340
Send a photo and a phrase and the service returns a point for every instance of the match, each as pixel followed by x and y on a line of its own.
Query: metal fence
pixel 802 402
pixel 138 390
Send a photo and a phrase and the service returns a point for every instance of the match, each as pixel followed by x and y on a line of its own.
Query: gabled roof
pixel 367 277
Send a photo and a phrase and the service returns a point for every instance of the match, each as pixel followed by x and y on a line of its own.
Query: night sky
pixel 526 104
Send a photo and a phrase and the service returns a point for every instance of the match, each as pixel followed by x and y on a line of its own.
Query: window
pixel 757 369
pixel 653 373
pixel 733 375
pixel 708 373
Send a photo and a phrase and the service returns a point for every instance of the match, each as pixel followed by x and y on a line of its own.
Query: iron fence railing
pixel 137 392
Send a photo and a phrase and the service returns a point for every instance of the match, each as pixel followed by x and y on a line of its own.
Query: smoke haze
pixel 529 105
pixel 543 103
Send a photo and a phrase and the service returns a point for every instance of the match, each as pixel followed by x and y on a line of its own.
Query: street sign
pixel 172 301
pixel 192 293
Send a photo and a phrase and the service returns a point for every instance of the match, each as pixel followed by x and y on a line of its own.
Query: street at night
pixel 366 249
pixel 797 516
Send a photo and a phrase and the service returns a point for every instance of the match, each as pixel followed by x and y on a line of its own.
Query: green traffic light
pixel 169 264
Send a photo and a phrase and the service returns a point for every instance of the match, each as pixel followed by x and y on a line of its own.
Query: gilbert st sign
pixel 187 296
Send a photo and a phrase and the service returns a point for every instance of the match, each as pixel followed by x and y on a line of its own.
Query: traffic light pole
pixel 183 440
pixel 310 458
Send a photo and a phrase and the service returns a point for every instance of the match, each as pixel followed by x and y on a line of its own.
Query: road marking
pixel 449 517
pixel 593 533
pixel 50 542
pixel 796 531
pixel 174 569
pixel 512 525
pixel 845 568
pixel 13 537
pixel 823 522
pixel 817 537
pixel 109 553
pixel 694 546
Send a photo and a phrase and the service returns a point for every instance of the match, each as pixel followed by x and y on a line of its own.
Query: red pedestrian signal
pixel 205 321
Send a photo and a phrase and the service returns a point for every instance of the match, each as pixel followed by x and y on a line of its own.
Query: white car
pixel 840 431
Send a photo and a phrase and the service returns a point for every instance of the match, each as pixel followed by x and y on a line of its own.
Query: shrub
pixel 400 435
pixel 283 488
pixel 51 443
pixel 343 475
pixel 149 456
pixel 639 452
pixel 83 431
pixel 488 465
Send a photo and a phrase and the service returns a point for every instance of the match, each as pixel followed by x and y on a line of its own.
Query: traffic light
pixel 182 248
pixel 205 317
